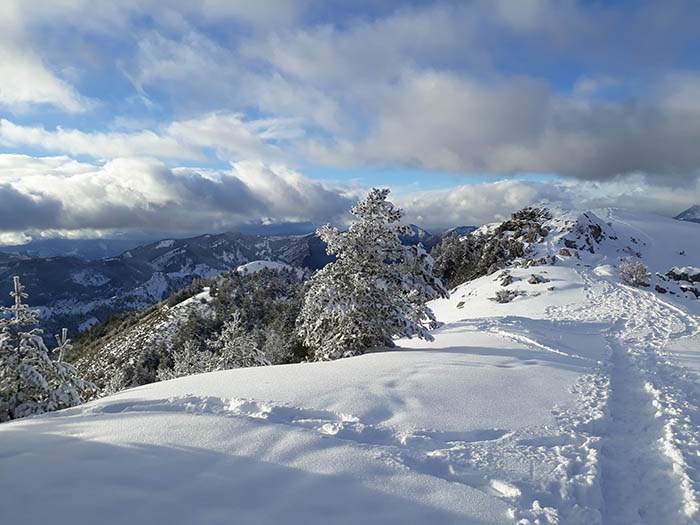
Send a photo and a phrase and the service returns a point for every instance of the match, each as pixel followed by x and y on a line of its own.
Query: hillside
pixel 132 349
pixel 577 401
pixel 77 294
pixel 692 214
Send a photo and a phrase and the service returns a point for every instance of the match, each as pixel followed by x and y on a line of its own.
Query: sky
pixel 191 117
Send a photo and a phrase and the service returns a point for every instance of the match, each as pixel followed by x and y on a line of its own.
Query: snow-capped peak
pixel 692 214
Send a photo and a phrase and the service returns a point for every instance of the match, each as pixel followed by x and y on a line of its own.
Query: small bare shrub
pixel 505 296
pixel 634 273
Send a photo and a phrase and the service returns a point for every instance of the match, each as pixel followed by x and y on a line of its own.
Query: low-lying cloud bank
pixel 144 194
pixel 58 196
pixel 477 204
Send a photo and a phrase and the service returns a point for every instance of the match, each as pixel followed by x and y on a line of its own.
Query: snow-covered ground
pixel 576 403
pixel 257 266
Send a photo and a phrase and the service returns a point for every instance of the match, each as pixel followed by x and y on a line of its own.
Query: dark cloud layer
pixel 127 194
pixel 19 211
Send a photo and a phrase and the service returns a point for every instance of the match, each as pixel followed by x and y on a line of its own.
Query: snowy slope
pixel 575 403
pixel 691 214
pixel 257 266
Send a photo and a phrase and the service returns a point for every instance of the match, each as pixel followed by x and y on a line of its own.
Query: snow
pixel 155 287
pixel 690 271
pixel 576 403
pixel 203 270
pixel 256 266
pixel 165 244
pixel 163 260
pixel 89 278
pixel 228 257
pixel 88 323
pixel 198 299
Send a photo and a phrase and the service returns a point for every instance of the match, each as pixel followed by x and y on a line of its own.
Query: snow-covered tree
pixel 235 347
pixel 374 291
pixel 31 382
pixel 634 273
pixel 277 348
pixel 188 360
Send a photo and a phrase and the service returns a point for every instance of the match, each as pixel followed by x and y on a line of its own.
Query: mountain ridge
pixel 76 293
pixel 692 214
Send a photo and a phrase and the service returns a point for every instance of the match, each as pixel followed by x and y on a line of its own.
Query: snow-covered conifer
pixel 30 381
pixel 277 348
pixel 375 290
pixel 235 347
pixel 188 360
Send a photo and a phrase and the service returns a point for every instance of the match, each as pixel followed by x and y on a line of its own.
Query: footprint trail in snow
pixel 649 435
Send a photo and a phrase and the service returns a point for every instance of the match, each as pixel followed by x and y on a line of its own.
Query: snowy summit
pixel 692 214
pixel 575 402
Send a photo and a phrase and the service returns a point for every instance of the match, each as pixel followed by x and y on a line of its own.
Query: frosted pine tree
pixel 235 347
pixel 31 382
pixel 189 360
pixel 376 289
pixel 277 348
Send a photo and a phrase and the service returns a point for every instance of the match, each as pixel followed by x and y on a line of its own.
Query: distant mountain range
pixel 78 292
pixel 692 214
pixel 429 240
pixel 88 249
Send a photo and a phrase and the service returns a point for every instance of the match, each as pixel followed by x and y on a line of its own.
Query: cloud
pixel 232 137
pixel 94 144
pixel 584 89
pixel 25 81
pixel 463 87
pixel 21 211
pixel 56 196
pixel 14 167
pixel 139 194
pixel 227 133
pixel 451 122
pixel 478 204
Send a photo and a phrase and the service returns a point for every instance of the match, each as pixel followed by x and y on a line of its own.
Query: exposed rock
pixel 687 273
pixel 537 279
pixel 506 279
pixel 690 289
pixel 660 289
pixel 596 232
pixel 565 252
